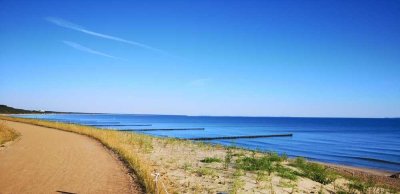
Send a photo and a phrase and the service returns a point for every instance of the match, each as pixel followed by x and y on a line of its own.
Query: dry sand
pixel 45 160
pixel 183 165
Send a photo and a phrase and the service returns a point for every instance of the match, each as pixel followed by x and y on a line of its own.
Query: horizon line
pixel 188 115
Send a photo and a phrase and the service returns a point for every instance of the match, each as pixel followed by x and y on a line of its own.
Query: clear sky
pixel 266 58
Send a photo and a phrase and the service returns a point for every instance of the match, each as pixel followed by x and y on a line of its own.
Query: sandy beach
pixel 182 165
pixel 45 160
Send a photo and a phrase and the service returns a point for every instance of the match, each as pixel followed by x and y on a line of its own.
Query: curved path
pixel 45 160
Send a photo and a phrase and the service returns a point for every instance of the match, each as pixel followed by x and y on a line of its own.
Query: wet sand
pixel 45 160
pixel 353 169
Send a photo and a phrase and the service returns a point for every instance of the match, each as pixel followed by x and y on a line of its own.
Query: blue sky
pixel 264 58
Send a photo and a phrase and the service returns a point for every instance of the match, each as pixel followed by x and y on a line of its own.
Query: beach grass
pixel 314 171
pixel 197 167
pixel 7 134
pixel 210 160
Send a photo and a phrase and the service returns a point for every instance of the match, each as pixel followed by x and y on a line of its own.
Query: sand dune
pixel 45 160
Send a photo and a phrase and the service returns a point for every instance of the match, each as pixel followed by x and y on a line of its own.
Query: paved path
pixel 45 160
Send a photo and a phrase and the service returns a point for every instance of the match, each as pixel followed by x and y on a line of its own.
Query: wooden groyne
pixel 115 125
pixel 170 129
pixel 240 137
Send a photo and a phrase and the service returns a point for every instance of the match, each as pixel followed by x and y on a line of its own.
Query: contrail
pixel 72 26
pixel 89 50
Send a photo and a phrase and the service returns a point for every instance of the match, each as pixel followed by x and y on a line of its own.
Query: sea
pixel 360 142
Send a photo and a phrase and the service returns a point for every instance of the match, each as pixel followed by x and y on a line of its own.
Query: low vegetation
pixel 355 185
pixel 7 134
pixel 286 173
pixel 360 187
pixel 211 160
pixel 205 171
pixel 314 171
pixel 268 163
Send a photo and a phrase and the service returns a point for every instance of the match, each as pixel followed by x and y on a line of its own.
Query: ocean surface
pixel 372 143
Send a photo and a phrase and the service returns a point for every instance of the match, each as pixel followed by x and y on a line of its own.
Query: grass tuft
pixel 228 158
pixel 237 185
pixel 205 172
pixel 254 164
pixel 358 186
pixel 210 160
pixel 286 172
pixel 7 133
pixel 314 171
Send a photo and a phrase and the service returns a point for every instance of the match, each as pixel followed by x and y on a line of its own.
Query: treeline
pixel 10 110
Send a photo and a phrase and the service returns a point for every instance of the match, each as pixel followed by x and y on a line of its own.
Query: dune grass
pixel 205 171
pixel 357 186
pixel 314 171
pixel 130 147
pixel 7 134
pixel 210 160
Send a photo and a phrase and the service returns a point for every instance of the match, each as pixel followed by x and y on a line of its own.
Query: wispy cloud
pixel 200 82
pixel 88 50
pixel 72 26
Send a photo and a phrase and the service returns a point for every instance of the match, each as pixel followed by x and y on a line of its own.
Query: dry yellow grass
pixel 130 147
pixel 7 134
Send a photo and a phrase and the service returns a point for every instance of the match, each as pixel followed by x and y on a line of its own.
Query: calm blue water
pixel 373 143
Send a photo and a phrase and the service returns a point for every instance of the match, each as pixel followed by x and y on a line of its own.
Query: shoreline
pixel 372 171
pixel 184 172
